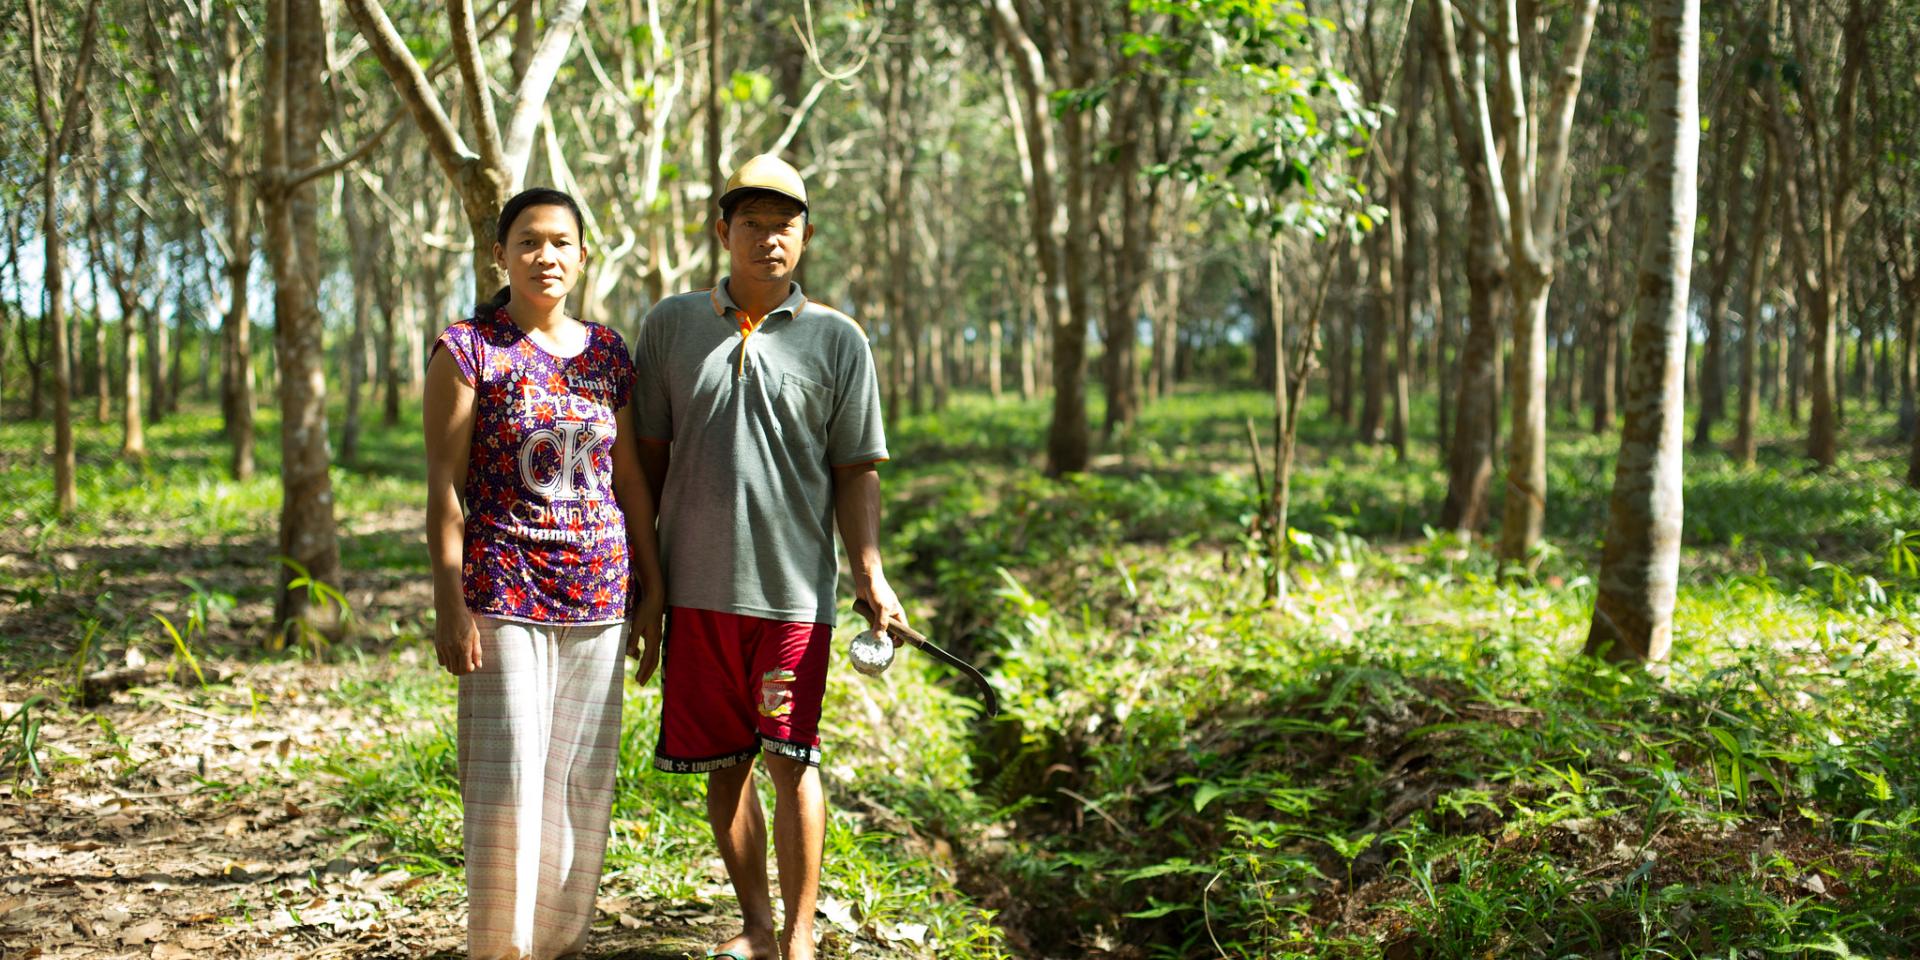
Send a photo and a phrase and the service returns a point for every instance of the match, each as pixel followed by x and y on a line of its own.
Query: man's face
pixel 765 238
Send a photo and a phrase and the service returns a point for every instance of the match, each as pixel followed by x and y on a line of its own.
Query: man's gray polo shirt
pixel 757 422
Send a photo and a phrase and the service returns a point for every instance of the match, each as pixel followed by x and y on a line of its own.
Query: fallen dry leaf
pixel 136 935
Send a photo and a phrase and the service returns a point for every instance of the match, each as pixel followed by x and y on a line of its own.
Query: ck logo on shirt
pixel 573 442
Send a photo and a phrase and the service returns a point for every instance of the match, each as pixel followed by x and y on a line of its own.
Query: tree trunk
pixel 236 328
pixel 716 178
pixel 102 376
pixel 133 317
pixel 996 330
pixel 1745 442
pixel 17 317
pixel 1068 441
pixel 155 345
pixel 1470 455
pixel 1910 363
pixel 1167 336
pixel 1525 506
pixel 1640 567
pixel 362 267
pixel 389 350
pixel 1138 223
pixel 1794 331
pixel 1409 250
pixel 1534 183
pixel 1606 364
pixel 175 345
pixel 295 63
pixel 1725 245
pixel 53 279
pixel 1377 298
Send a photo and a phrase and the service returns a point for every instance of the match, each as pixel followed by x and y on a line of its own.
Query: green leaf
pixel 1207 793
pixel 1176 865
pixel 1881 791
pixel 1159 909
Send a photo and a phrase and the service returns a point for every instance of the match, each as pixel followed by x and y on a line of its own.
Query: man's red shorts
pixel 735 685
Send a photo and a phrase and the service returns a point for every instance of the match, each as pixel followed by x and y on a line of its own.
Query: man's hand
pixel 456 642
pixel 643 633
pixel 883 607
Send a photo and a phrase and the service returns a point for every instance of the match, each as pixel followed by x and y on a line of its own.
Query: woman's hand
pixel 456 642
pixel 643 632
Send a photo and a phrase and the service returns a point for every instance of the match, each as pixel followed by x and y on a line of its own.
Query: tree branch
pixel 1559 127
pixel 1472 18
pixel 529 102
pixel 366 146
pixel 473 73
pixel 443 141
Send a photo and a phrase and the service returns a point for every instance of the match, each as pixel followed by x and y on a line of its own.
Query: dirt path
pixel 171 822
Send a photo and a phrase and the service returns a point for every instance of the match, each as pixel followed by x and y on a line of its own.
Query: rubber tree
pixel 58 133
pixel 1640 566
pixel 485 174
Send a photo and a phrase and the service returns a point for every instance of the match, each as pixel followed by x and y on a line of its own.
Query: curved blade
pixel 918 639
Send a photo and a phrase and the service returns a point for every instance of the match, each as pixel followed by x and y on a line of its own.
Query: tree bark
pixel 1534 188
pixel 295 67
pixel 102 369
pixel 362 269
pixel 128 275
pixel 1470 454
pixel 1640 567
pixel 1062 257
pixel 1725 246
pixel 716 178
pixel 236 328
pixel 1745 441
pixel 1378 299
pixel 1819 244
pixel 58 134
pixel 1139 220
pixel 1408 247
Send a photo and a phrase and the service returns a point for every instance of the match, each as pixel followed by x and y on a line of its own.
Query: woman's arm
pixel 631 490
pixel 449 430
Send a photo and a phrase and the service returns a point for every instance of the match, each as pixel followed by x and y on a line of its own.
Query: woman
pixel 527 425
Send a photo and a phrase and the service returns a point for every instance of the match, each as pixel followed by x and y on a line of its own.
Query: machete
pixel 918 639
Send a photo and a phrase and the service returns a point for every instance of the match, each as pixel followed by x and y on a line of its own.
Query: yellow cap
pixel 766 172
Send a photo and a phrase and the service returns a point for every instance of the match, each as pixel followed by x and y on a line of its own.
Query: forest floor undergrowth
pixel 1405 759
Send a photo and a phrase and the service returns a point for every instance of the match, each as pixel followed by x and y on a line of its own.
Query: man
pixel 767 407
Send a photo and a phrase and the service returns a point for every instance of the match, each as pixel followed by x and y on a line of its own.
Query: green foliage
pixel 1273 127
pixel 1411 757
pixel 1408 759
pixel 404 796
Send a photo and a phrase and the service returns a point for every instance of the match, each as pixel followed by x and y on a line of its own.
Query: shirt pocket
pixel 802 406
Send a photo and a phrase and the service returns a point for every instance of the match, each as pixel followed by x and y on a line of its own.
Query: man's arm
pixel 654 456
pixel 856 506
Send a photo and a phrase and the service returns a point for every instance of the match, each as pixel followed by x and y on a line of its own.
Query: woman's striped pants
pixel 539 741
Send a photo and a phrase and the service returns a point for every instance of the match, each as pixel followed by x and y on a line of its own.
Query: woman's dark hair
pixel 530 197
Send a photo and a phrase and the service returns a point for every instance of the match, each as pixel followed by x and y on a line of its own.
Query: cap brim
pixel 727 199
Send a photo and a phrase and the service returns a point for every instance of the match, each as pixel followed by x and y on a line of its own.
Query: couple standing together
pixel 751 415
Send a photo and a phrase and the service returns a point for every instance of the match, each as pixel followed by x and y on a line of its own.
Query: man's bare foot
pixel 749 945
pixel 797 944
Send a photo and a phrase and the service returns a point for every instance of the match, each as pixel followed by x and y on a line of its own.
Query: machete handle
pixel 865 609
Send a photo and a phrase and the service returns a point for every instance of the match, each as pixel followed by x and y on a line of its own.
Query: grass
pixel 1408 759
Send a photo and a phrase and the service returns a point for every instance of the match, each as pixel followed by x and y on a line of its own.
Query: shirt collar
pixel 723 301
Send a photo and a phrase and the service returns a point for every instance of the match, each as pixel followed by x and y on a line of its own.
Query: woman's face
pixel 543 254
